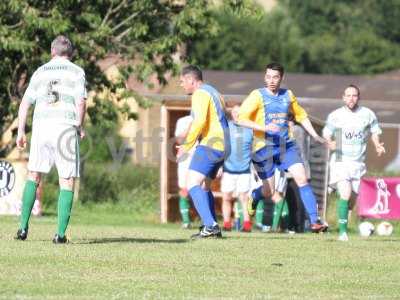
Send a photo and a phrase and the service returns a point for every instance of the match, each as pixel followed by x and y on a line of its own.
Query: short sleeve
pixel 374 125
pixel 81 87
pixel 30 94
pixel 329 128
pixel 249 106
pixel 298 112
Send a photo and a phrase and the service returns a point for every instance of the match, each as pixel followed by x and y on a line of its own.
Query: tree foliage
pixel 330 36
pixel 147 32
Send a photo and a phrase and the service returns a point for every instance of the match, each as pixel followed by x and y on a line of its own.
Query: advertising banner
pixel 379 198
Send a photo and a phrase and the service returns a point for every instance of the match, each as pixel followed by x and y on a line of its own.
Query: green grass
pixel 112 256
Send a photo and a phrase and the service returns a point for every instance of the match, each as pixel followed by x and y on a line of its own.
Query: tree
pixel 249 42
pixel 347 36
pixel 146 32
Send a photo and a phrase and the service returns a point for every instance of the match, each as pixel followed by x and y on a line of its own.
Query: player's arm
pixel 22 116
pixel 181 135
pixel 328 132
pixel 180 139
pixel 379 148
pixel 248 108
pixel 376 131
pixel 81 113
pixel 28 99
pixel 200 104
pixel 81 105
pixel 301 117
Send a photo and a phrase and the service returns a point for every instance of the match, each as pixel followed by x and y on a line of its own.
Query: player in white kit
pixel 347 131
pixel 57 90
pixel 181 131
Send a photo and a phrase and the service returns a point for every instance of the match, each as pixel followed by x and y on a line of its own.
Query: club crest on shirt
pixel 7 178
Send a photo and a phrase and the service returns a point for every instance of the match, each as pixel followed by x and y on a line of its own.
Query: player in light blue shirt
pixel 236 179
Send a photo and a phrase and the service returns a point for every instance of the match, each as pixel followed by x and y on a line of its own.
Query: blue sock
pixel 257 194
pixel 211 203
pixel 200 201
pixel 310 202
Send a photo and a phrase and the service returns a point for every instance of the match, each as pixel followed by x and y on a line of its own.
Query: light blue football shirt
pixel 241 138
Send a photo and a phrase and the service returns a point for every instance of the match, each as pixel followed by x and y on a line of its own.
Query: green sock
pixel 342 211
pixel 184 206
pixel 285 213
pixel 260 212
pixel 277 214
pixel 64 210
pixel 28 199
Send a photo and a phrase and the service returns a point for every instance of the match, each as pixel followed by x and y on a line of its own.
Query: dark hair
pixel 194 71
pixel 276 67
pixel 354 87
pixel 62 46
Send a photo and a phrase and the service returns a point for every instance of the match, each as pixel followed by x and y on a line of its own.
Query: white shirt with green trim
pixel 351 129
pixel 55 89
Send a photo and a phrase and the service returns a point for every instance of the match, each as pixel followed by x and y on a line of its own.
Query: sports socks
pixel 201 202
pixel 64 210
pixel 211 203
pixel 257 194
pixel 259 213
pixel 310 202
pixel 28 199
pixel 268 212
pixel 281 210
pixel 184 209
pixel 342 212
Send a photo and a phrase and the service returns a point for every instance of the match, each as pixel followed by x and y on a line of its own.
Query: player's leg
pixel 243 198
pixel 65 200
pixel 268 189
pixel 264 165
pixel 184 204
pixel 227 188
pixel 306 193
pixel 41 159
pixel 292 162
pixel 28 200
pixel 344 192
pixel 278 201
pixel 184 207
pixel 66 145
pixel 281 208
pixel 242 187
pixel 211 200
pixel 205 164
pixel 227 201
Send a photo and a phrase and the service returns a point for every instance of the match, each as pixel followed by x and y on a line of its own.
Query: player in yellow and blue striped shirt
pixel 211 127
pixel 266 110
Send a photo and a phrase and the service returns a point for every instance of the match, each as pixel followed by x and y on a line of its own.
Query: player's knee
pixel 183 192
pixel 66 183
pixel 267 194
pixel 34 176
pixel 301 180
pixel 276 197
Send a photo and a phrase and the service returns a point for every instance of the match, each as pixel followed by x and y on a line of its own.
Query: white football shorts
pixel 349 171
pixel 235 183
pixel 54 144
pixel 183 168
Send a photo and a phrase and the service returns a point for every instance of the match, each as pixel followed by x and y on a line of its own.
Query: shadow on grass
pixel 129 240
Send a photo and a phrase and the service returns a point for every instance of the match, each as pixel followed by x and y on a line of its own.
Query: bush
pixel 131 187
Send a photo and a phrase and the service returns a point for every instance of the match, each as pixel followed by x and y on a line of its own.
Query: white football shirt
pixel 55 88
pixel 351 130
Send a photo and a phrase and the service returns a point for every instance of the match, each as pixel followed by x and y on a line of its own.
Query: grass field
pixel 112 257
